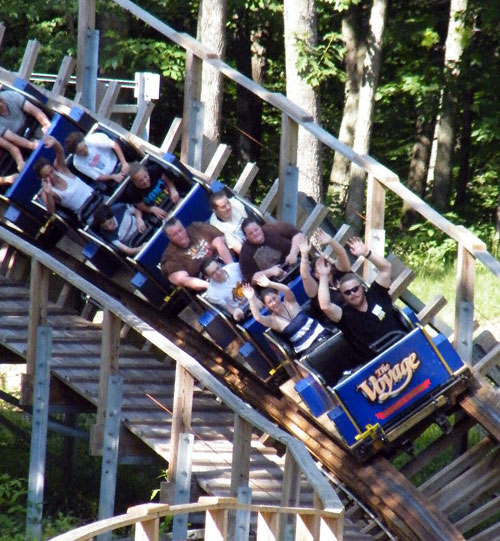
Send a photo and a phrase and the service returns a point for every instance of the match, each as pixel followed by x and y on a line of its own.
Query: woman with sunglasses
pixel 366 315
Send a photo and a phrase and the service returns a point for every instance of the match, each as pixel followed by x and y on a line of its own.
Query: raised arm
pixel 59 163
pixel 333 311
pixel 310 284
pixel 172 190
pixel 255 306
pixel 297 239
pixel 358 247
pixel 342 262
pixel 263 281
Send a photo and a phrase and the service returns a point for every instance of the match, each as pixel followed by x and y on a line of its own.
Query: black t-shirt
pixel 154 195
pixel 364 328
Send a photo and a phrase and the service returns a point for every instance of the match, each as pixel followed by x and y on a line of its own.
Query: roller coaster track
pixel 451 502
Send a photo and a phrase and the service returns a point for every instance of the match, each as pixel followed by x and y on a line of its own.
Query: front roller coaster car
pixel 414 379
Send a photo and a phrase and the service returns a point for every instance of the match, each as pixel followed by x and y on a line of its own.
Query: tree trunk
pixel 355 52
pixel 250 57
pixel 465 148
pixel 441 192
pixel 300 23
pixel 212 33
pixel 371 69
pixel 417 173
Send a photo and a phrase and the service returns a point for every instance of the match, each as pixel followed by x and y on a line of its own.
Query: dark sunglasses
pixel 348 292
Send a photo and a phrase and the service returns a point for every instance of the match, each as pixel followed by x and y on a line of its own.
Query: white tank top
pixel 76 193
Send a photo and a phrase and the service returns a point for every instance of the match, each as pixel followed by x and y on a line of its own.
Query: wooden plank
pixel 490 360
pixel 492 264
pixel 242 521
pixel 287 187
pixel 269 202
pixel 215 525
pixel 401 283
pixel 431 309
pixel 267 528
pixel 456 468
pixel 218 161
pixel 2 33
pixel 29 59
pixel 314 219
pixel 192 92
pixel 183 484
pixel 246 178
pixel 464 304
pixel 86 21
pixel 478 515
pixel 240 467
pixel 63 76
pixel 142 117
pixel 173 136
pixel 109 99
pixel 181 415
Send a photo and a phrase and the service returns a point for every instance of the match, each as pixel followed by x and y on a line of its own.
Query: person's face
pixel 109 224
pixel 4 110
pixel 222 208
pixel 141 179
pixel 353 293
pixel 254 234
pixel 178 235
pixel 215 272
pixel 272 301
pixel 82 149
pixel 48 174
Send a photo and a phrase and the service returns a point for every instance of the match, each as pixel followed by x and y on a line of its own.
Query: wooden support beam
pixel 63 76
pixel 401 283
pixel 314 219
pixel 183 484
pixel 109 99
pixel 110 346
pixel 181 415
pixel 288 182
pixel 269 202
pixel 216 524
pixel 464 304
pixel 240 467
pixel 431 309
pixel 490 360
pixel 142 117
pixel 290 494
pixel 192 91
pixel 29 59
pixel 86 21
pixel 267 526
pixel 246 178
pixel 173 136
pixel 218 161
pixel 2 33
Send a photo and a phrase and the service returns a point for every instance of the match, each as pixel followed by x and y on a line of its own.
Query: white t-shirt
pixel 101 159
pixel 222 293
pixel 232 229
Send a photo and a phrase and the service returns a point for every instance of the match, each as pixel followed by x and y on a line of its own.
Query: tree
pixel 300 23
pixel 212 33
pixel 371 69
pixel 445 129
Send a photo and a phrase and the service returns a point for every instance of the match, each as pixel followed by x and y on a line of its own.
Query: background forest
pixel 424 86
pixel 420 82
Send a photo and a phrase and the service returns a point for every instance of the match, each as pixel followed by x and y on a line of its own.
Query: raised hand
pixel 262 280
pixel 357 246
pixel 322 236
pixel 248 291
pixel 304 248
pixel 323 267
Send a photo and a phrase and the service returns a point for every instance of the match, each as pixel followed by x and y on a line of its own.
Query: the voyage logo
pixel 388 381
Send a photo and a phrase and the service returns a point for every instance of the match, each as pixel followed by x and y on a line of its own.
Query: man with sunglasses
pixel 365 316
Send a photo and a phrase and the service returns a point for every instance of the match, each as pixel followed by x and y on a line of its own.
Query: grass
pixel 486 294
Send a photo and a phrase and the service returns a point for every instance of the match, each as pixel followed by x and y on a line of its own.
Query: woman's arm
pixel 310 284
pixel 264 281
pixel 249 293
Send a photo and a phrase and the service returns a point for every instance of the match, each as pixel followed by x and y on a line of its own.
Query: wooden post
pixel 142 118
pixel 110 346
pixel 464 304
pixel 242 522
pixel 90 67
pixel 267 526
pixel 288 173
pixel 182 484
pixel 29 59
pixel 245 179
pixel 2 33
pixel 215 524
pixel 63 76
pixel 269 202
pixel 109 99
pixel 290 493
pixel 173 136
pixel 147 530
pixel 86 21
pixel 374 227
pixel 192 92
pixel 39 286
pixel 39 435
pixel 242 440
pixel 110 451
pixel 181 415
pixel 218 161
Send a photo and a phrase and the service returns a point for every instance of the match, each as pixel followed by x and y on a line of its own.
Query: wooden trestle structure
pixel 176 382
